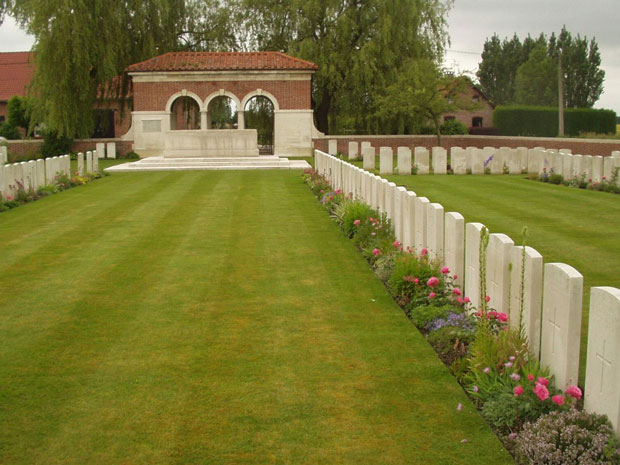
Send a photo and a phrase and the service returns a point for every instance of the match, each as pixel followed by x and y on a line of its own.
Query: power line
pixel 461 51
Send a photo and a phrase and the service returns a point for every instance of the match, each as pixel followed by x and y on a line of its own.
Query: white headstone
pixel 353 150
pixel 404 160
pixel 400 202
pixel 364 145
pixel 472 262
pixel 409 220
pixel 3 155
pixel 40 173
pixel 435 230
pixel 100 149
pixel 2 182
pixel 111 149
pixel 421 160
pixel 390 195
pixel 32 175
pixel 478 160
pixel 577 165
pixel 513 161
pixel 420 223
pixel 586 166
pixel 597 169
pixel 458 160
pixel 497 163
pixel 383 194
pixel 440 160
pixel 602 390
pixel 561 325
pixel 89 162
pixel 499 254
pixel 454 245
pixel 609 164
pixel 386 162
pixel 80 164
pixel 332 147
pixel 530 319
pixel 567 166
pixel 95 163
pixel 522 153
pixel 569 151
pixel 368 153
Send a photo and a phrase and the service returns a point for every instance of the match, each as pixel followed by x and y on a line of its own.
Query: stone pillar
pixel 602 389
pixel 386 161
pixel 240 119
pixel 561 326
pixel 204 125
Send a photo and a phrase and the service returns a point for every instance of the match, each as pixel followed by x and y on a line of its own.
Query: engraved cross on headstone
pixel 555 328
pixel 604 362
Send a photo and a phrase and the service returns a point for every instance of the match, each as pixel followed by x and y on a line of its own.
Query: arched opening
pixel 184 114
pixel 259 115
pixel 222 113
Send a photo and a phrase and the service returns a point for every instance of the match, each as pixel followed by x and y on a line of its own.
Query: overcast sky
pixel 473 21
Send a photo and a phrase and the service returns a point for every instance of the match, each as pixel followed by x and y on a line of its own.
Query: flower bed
pixel 61 182
pixel 581 182
pixel 492 361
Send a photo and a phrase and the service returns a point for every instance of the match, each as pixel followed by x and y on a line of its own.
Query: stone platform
pixel 269 162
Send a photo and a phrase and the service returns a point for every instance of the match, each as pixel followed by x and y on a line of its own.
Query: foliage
pixel 453 127
pixel 360 48
pixel 132 156
pixel 572 436
pixel 582 76
pixel 54 144
pixel 605 185
pixel 259 115
pixel 521 120
pixel 9 132
pixel 423 89
pixel 353 213
pixel 18 113
pixel 536 82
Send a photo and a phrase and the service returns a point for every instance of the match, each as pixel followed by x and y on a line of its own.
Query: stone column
pixel 241 119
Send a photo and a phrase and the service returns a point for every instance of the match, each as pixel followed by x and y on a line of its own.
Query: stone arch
pixel 221 93
pixel 262 93
pixel 184 93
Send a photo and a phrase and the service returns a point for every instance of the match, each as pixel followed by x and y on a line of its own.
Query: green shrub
pixel 9 132
pixel 453 127
pixel 352 211
pixel 522 120
pixel 132 156
pixel 421 316
pixel 54 145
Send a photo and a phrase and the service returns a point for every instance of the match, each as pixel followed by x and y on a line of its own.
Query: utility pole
pixel 560 97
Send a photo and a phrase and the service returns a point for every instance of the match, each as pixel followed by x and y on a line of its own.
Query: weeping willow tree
pixel 259 115
pixel 82 48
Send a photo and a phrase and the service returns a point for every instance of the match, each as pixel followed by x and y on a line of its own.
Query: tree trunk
pixel 437 131
pixel 321 112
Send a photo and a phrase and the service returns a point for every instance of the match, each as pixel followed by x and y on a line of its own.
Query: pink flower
pixel 517 391
pixel 543 381
pixel 515 376
pixel 512 358
pixel 371 219
pixel 396 244
pixel 459 407
pixel 376 251
pixel 559 400
pixel 338 191
pixel 456 291
pixel 445 270
pixel 8 197
pixel 508 364
pixel 455 277
pixel 431 295
pixel 530 377
pixel 466 300
pixel 459 300
pixel 501 316
pixel 357 222
pixel 432 282
pixel 574 391
pixel 541 392
pixel 486 370
pixel 416 280
pixel 492 314
pixel 475 388
pixel 487 299
pixel 424 252
pixel 512 436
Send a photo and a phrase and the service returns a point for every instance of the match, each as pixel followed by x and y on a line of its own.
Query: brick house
pixel 478 118
pixel 16 70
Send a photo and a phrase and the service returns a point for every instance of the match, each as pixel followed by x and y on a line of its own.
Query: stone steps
pixel 192 164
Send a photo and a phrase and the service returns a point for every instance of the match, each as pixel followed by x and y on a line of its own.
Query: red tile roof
pixel 16 69
pixel 222 61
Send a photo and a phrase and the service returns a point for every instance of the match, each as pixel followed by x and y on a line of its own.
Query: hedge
pixel 520 120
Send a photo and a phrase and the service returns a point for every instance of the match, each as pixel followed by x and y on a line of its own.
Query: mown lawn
pixel 216 318
pixel 568 225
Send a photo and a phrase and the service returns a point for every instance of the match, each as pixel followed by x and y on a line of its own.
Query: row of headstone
pixel 544 299
pixel 87 164
pixel 486 160
pixel 31 175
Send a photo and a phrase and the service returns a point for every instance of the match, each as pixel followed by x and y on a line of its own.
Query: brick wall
pixel 28 149
pixel 602 147
pixel 153 96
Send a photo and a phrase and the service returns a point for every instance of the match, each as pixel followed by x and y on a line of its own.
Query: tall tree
pixel 536 82
pixel 359 46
